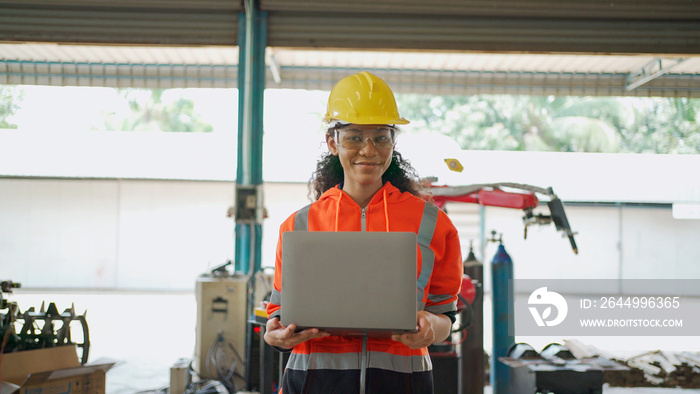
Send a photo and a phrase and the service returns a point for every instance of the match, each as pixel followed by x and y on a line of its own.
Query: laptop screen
pixel 350 283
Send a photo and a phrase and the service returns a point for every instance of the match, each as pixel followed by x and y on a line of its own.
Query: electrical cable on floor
pixel 212 360
pixel 226 380
pixel 217 358
pixel 235 351
pixel 207 387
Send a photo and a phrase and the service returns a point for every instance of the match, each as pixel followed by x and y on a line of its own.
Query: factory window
pixel 561 123
pixel 119 133
pixel 65 109
pixel 194 132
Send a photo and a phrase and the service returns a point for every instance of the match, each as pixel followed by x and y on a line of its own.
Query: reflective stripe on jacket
pixel 319 364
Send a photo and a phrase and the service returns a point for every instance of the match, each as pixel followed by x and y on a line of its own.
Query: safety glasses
pixel 354 138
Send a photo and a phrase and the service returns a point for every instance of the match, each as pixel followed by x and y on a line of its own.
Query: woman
pixel 362 184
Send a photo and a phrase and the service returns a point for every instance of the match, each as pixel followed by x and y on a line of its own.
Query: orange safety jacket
pixel 333 364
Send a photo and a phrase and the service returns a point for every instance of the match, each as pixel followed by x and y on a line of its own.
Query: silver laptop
pixel 349 283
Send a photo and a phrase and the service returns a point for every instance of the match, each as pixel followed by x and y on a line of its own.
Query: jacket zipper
pixel 363 224
pixel 364 355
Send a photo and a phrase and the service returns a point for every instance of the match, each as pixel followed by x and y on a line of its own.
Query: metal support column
pixel 251 88
pixel 252 42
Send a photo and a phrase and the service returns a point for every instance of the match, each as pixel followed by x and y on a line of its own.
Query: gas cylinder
pixel 472 348
pixel 502 299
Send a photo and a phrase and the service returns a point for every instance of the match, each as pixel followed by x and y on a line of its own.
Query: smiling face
pixel 365 153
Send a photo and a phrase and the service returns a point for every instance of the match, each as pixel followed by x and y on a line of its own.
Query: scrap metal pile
pixel 651 369
pixel 661 369
pixel 43 329
pixel 556 369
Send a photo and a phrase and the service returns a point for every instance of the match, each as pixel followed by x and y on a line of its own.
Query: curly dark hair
pixel 329 172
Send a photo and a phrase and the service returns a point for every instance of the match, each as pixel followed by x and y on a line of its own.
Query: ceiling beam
pixel 650 71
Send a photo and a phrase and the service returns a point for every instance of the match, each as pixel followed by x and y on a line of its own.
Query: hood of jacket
pixel 388 194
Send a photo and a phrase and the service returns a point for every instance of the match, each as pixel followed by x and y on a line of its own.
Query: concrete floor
pixel 148 332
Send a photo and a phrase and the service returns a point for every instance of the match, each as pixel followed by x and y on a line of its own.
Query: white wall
pixel 112 234
pixel 160 235
pixel 614 242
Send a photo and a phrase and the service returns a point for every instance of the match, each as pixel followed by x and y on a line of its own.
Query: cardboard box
pixel 52 371
pixel 180 377
pixel 16 367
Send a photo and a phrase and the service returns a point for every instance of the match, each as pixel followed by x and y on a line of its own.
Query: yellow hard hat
pixel 363 98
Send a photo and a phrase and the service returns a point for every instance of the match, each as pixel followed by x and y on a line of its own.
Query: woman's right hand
pixel 284 337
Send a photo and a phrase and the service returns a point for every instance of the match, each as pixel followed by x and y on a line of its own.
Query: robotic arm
pixel 492 194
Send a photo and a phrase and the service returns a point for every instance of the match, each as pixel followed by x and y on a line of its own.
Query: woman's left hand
pixel 431 329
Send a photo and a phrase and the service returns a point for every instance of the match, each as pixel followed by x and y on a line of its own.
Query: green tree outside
pixel 483 122
pixel 10 98
pixel 564 124
pixel 149 112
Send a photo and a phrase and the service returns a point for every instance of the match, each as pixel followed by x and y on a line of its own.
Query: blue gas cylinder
pixel 503 299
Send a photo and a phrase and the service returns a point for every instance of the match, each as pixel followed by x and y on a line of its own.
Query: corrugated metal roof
pixel 534 26
pixel 119 54
pixel 438 61
pixel 148 22
pixel 581 9
pixel 118 66
pixel 444 61
pixel 484 34
pixel 484 73
pixel 428 72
